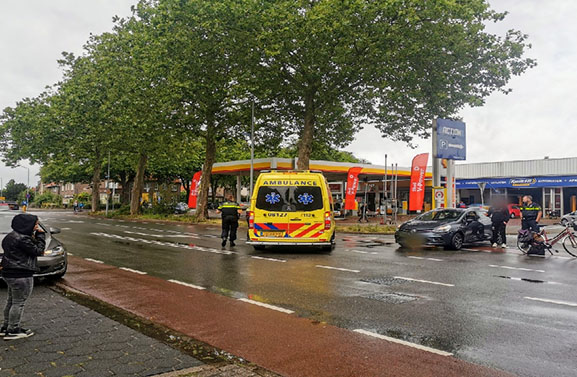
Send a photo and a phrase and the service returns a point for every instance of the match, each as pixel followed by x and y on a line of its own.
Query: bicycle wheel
pixel 570 245
pixel 523 246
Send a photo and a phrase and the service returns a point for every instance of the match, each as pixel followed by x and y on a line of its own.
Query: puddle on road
pixel 522 279
pixel 386 280
pixel 391 298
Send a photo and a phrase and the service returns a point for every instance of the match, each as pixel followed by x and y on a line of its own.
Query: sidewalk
pixel 283 343
pixel 74 341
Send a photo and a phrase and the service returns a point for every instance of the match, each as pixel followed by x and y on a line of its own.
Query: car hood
pixel 424 225
pixel 51 242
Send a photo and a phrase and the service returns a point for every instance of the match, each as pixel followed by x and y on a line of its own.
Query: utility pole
pixel 106 184
pixel 385 193
pixel 251 154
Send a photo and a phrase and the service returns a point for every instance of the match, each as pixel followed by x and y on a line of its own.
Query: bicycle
pixel 566 237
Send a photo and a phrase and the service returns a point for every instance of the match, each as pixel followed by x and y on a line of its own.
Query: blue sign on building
pixel 531 182
pixel 451 139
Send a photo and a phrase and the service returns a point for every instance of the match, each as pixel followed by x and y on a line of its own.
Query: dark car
pixel 450 228
pixel 54 262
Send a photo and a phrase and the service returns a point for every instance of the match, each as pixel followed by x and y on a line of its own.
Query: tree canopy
pixel 170 89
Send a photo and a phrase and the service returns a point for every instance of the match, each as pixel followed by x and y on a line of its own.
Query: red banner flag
pixel 417 189
pixel 194 186
pixel 352 184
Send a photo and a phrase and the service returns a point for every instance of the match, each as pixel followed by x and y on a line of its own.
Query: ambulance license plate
pixel 273 234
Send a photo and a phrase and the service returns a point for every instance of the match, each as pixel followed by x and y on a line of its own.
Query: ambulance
pixel 291 208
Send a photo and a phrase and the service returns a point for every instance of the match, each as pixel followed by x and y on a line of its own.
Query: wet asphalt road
pixel 471 303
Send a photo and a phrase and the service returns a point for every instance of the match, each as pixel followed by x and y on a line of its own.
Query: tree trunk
pixel 186 184
pixel 138 185
pixel 96 186
pixel 202 205
pixel 306 140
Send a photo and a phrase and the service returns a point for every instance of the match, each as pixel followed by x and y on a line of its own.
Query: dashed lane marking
pixel 168 244
pixel 65 228
pixel 515 268
pixel 131 270
pixel 160 235
pixel 423 258
pixel 364 252
pixel 552 301
pixel 186 284
pixel 337 268
pixel 269 259
pixel 403 342
pixel 424 281
pixel 277 308
pixel 92 260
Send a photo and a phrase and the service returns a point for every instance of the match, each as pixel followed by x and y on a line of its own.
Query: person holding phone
pixel 21 248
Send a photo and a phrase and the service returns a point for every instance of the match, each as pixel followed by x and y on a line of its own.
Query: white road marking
pixel 277 308
pixel 168 244
pixel 91 260
pixel 431 259
pixel 160 235
pixel 360 251
pixel 65 228
pixel 516 268
pixel 337 268
pixel 552 301
pixel 558 256
pixel 70 254
pixel 131 270
pixel 269 259
pixel 403 342
pixel 424 281
pixel 186 284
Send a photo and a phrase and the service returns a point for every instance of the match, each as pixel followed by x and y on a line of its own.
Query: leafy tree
pixel 332 65
pixel 13 190
pixel 205 43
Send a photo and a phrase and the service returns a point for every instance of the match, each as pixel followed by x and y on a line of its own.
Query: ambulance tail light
pixel 250 220
pixel 327 220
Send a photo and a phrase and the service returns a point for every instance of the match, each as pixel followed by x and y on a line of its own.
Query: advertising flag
pixel 194 186
pixel 352 184
pixel 417 188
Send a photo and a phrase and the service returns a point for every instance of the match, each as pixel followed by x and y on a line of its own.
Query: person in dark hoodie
pixel 21 247
pixel 499 214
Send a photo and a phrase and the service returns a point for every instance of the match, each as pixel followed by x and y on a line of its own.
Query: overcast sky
pixel 537 119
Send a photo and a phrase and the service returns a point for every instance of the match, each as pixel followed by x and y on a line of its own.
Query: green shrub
pixel 48 197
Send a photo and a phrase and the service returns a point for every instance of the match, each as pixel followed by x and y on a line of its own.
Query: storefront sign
pixel 352 184
pixel 530 182
pixel 417 187
pixel 451 140
pixel 194 186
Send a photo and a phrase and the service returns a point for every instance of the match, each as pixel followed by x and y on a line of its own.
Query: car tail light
pixel 328 220
pixel 250 220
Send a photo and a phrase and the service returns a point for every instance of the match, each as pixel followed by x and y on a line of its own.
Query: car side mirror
pixel 54 230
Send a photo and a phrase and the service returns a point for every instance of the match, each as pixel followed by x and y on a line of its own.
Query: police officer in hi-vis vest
pixel 530 214
pixel 230 212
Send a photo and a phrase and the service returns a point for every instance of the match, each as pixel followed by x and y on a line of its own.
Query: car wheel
pixel 331 247
pixel 457 241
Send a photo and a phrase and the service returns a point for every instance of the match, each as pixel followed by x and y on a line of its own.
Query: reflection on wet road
pixel 483 305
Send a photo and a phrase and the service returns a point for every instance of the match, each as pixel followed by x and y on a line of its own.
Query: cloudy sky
pixel 537 119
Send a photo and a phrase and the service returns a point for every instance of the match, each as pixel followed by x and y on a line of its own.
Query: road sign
pixel 451 140
pixel 439 197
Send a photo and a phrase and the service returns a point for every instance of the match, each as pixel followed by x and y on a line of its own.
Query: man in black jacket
pixel 21 247
pixel 499 214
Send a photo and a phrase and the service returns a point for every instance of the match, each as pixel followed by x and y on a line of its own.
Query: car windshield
pixel 289 198
pixel 440 215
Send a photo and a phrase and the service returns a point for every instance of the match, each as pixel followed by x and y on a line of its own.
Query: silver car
pixel 54 262
pixel 569 218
